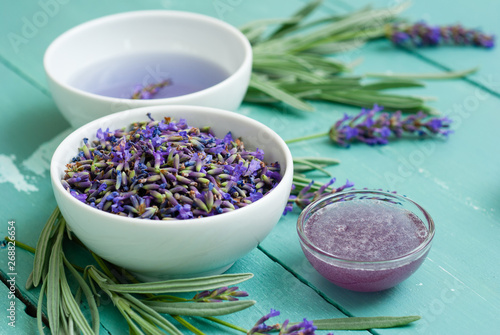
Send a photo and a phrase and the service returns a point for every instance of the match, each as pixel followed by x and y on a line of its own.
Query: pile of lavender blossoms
pixel 168 170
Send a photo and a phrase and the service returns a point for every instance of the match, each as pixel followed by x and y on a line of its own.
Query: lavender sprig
pixel 421 34
pixel 147 92
pixel 367 128
pixel 260 326
pixel 302 328
pixel 304 197
pixel 220 294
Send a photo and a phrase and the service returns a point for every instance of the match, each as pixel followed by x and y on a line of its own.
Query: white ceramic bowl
pixel 176 248
pixel 140 32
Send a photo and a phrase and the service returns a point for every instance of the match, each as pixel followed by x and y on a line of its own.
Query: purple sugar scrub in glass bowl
pixel 365 240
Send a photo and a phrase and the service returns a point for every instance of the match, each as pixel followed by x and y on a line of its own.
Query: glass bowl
pixel 357 239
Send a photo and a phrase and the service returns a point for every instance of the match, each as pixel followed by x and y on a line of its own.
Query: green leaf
pixel 152 315
pixel 254 29
pixel 188 325
pixel 42 246
pixel 149 318
pixel 332 84
pixel 39 309
pixel 123 307
pixel 312 165
pixel 53 283
pixel 146 325
pixel 299 74
pixel 363 323
pixel 181 285
pixel 367 98
pixel 328 48
pixel 391 84
pixel 94 312
pixel 321 160
pixel 29 281
pixel 73 308
pixel 275 92
pixel 64 319
pixel 297 18
pixel 200 308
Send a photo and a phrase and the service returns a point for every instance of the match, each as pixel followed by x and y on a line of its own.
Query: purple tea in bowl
pixel 365 240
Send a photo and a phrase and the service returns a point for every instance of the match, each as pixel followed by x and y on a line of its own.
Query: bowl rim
pixel 141 113
pixel 403 259
pixel 247 57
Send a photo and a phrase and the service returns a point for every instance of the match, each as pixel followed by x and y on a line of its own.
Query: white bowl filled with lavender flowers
pixel 147 58
pixel 172 191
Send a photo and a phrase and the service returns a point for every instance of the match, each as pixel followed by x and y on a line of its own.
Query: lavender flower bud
pixel 366 127
pixel 421 34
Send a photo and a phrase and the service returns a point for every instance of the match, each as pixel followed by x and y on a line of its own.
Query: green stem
pixel 305 138
pixel 311 165
pixel 227 324
pixel 103 266
pixel 167 298
pixel 427 76
pixel 188 325
pixel 21 245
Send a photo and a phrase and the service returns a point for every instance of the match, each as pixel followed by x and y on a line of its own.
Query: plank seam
pixel 444 67
pixel 26 301
pixel 24 76
pixel 304 281
pixel 106 329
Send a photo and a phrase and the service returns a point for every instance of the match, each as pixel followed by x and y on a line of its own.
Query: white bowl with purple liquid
pixel 98 67
pixel 365 240
pixel 162 249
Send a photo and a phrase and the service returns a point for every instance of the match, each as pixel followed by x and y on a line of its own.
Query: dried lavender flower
pixel 421 34
pixel 147 92
pixel 302 328
pixel 260 326
pixel 367 128
pixel 220 294
pixel 168 170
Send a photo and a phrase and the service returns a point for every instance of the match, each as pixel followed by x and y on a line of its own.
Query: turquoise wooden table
pixel 456 291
